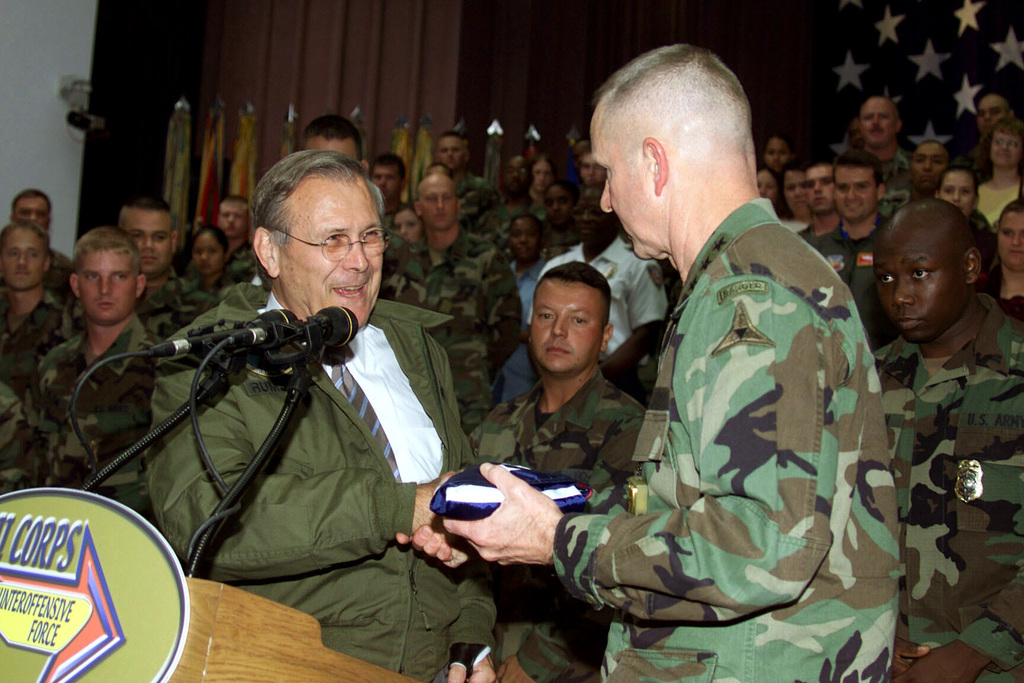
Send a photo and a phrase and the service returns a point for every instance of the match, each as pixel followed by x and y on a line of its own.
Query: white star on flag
pixel 887 27
pixel 965 97
pixel 968 16
pixel 895 98
pixel 855 3
pixel 1009 51
pixel 842 146
pixel 849 73
pixel 929 134
pixel 928 62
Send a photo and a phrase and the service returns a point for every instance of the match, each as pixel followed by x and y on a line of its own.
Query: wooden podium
pixel 236 636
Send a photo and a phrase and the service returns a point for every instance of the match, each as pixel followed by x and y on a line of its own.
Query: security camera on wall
pixel 83 120
pixel 75 91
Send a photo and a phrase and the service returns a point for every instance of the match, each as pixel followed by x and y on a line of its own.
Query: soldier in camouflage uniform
pixel 388 173
pixel 467 278
pixel 929 160
pixel 494 225
pixel 19 468
pixel 34 205
pixel 170 303
pixel 575 422
pixel 953 392
pixel 32 319
pixel 476 195
pixel 114 405
pixel 879 124
pixel 333 133
pixel 767 549
pixel 560 230
pixel 233 219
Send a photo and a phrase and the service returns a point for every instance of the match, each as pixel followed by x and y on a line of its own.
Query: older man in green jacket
pixel 317 528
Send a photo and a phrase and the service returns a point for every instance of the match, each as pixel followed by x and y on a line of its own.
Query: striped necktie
pixel 350 389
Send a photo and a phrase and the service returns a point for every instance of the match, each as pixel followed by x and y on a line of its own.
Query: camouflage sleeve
pixel 767 422
pixel 614 466
pixel 17 455
pixel 573 640
pixel 488 226
pixel 504 312
pixel 45 418
pixel 996 632
pixel 476 202
pixel 242 268
pixel 494 439
pixel 991 542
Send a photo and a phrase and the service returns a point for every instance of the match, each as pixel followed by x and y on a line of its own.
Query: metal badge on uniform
pixel 968 481
pixel 636 486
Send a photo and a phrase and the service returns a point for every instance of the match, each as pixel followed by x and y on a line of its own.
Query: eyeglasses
pixel 337 247
pixel 1009 143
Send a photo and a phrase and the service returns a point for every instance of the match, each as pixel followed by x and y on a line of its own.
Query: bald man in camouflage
pixel 766 550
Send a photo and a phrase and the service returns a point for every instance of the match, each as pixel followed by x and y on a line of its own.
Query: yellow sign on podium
pixel 89 591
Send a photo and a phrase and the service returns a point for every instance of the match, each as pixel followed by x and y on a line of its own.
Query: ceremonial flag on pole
pixel 492 153
pixel 423 157
pixel 288 137
pixel 532 142
pixel 243 165
pixel 211 168
pixel 401 145
pixel 571 138
pixel 936 59
pixel 177 158
pixel 359 121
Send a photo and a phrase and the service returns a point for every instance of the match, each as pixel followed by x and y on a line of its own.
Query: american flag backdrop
pixel 935 58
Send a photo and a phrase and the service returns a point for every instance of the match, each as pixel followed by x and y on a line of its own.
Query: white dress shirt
pixel 414 440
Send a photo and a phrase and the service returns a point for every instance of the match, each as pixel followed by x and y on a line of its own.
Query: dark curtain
pixel 146 56
pixel 521 62
pixel 540 62
pixel 390 58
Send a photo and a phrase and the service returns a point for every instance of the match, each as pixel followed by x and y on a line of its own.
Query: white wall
pixel 40 41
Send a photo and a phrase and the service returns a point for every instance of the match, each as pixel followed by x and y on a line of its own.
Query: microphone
pixel 337 324
pixel 268 326
pixel 333 326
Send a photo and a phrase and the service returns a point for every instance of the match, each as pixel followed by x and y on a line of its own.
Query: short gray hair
pixel 682 83
pixel 269 208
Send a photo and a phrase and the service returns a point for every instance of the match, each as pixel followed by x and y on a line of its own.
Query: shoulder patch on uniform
pixel 836 261
pixel 742 331
pixel 744 287
pixel 654 272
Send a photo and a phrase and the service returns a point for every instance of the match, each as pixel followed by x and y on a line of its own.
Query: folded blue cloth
pixel 468 496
